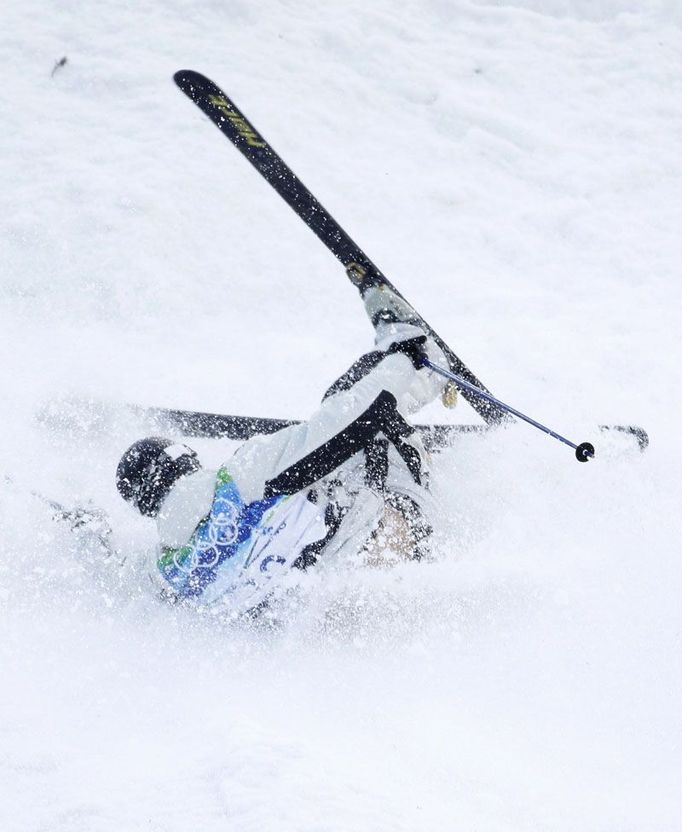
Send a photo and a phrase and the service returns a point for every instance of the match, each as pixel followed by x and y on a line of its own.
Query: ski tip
pixel 642 437
pixel 640 434
pixel 189 78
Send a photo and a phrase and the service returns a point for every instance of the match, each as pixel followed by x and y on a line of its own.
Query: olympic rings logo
pixel 221 531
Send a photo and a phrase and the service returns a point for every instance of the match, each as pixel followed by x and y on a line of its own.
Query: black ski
pixel 360 269
pixel 79 417
pixel 241 428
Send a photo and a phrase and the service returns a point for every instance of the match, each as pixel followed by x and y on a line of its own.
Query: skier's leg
pixel 393 319
pixel 359 369
pixel 345 424
pixel 384 307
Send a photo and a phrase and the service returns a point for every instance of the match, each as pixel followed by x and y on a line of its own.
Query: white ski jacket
pixel 225 535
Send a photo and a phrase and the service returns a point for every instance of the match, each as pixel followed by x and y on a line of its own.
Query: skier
pixel 324 486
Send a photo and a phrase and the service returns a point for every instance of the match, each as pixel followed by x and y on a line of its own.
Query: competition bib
pixel 236 553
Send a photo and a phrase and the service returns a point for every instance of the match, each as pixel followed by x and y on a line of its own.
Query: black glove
pixel 413 348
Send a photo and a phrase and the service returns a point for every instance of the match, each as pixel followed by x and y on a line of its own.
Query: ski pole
pixel 583 452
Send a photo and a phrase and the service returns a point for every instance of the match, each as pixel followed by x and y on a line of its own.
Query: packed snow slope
pixel 515 169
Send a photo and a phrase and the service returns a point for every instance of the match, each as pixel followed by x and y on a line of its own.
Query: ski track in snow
pixel 515 169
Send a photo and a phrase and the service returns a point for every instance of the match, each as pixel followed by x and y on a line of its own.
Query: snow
pixel 514 167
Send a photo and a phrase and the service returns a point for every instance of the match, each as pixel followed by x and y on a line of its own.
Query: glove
pixel 413 348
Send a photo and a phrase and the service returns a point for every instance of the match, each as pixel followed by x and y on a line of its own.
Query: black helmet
pixel 149 469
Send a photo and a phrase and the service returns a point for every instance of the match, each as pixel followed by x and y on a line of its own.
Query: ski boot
pixel 386 308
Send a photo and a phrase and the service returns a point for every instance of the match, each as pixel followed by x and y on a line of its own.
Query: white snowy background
pixel 515 168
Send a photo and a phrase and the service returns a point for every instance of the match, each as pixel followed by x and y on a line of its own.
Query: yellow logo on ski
pixel 240 124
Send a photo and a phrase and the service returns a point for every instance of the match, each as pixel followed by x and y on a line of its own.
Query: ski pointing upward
pixel 359 268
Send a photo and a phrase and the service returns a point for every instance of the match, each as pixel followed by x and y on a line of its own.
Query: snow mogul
pixel 322 488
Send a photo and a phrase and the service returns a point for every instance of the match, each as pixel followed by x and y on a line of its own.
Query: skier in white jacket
pixel 311 490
